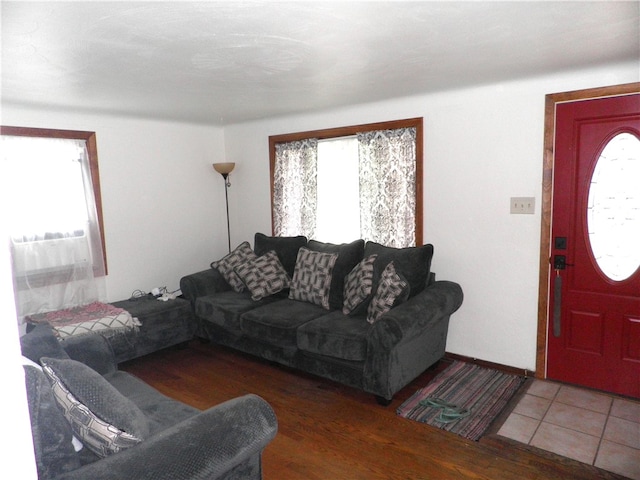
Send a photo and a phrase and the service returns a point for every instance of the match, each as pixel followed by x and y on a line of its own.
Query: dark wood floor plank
pixel 328 431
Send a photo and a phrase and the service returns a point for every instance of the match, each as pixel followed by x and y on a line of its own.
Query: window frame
pixel 346 131
pixel 92 151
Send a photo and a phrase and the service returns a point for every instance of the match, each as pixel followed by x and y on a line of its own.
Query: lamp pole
pixel 225 169
pixel 226 201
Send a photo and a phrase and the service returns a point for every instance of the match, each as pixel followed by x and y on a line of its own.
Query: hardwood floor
pixel 327 431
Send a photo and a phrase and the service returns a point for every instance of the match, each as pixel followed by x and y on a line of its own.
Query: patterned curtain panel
pixel 295 188
pixel 388 186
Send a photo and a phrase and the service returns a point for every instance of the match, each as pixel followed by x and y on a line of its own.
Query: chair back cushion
pixel 52 434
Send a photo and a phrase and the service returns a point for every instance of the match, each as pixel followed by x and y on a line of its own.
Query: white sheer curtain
pixel 295 188
pixel 388 186
pixel 54 236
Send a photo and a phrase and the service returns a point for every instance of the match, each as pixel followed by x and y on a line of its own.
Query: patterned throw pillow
pixel 264 275
pixel 349 254
pixel 105 420
pixel 241 254
pixel 392 289
pixel 358 284
pixel 312 277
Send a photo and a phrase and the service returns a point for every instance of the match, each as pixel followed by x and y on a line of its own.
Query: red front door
pixel 594 307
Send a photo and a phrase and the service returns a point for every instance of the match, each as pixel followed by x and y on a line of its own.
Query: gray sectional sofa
pixel 172 440
pixel 341 316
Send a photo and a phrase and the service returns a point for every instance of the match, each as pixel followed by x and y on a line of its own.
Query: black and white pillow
pixel 263 275
pixel 100 416
pixel 241 254
pixel 358 284
pixel 392 290
pixel 312 277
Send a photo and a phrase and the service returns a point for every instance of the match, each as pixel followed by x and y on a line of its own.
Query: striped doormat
pixel 483 391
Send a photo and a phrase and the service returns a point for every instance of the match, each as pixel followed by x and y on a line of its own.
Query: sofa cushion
pixel 104 420
pixel 392 290
pixel 312 277
pixel 413 263
pixel 225 308
pixel 335 335
pixel 358 284
pixel 161 411
pixel 349 254
pixel 241 254
pixel 286 248
pixel 277 322
pixel 264 275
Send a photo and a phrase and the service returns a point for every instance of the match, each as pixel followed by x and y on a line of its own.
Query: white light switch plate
pixel 523 205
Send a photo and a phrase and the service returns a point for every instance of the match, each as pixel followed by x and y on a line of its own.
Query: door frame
pixel 551 100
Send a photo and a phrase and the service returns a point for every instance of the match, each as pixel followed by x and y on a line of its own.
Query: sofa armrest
pixel 415 316
pixel 202 283
pixel 409 338
pixel 205 446
pixel 93 350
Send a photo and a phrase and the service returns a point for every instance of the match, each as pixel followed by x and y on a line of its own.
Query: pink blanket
pixel 84 319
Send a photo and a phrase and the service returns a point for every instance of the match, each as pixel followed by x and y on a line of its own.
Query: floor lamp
pixel 225 169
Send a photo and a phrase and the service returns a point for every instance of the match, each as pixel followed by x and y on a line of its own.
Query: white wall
pixel 164 213
pixel 163 204
pixel 482 146
pixel 16 447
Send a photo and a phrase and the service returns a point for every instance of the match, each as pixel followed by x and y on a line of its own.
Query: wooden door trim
pixel 551 100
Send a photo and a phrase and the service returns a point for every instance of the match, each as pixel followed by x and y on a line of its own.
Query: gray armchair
pixel 223 442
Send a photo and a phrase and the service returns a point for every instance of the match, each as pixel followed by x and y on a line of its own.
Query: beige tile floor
pixel 588 426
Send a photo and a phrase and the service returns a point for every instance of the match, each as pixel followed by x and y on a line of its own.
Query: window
pixel 56 214
pixel 340 184
pixel 613 207
pixel 338 172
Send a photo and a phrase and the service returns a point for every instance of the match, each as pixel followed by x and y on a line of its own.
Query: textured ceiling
pixel 226 62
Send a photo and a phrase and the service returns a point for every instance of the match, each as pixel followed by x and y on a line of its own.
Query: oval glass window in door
pixel 613 209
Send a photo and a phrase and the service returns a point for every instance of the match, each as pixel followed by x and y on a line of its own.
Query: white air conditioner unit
pixel 50 255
